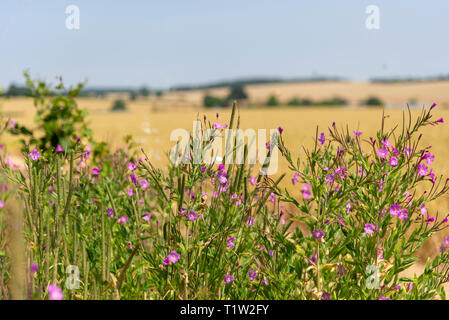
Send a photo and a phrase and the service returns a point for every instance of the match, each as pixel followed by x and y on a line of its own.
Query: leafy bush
pixel 118 105
pixel 336 101
pixel 299 102
pixel 373 102
pixel 144 92
pixel 18 91
pixel 272 101
pixel 59 121
pixel 132 96
pixel 237 93
pixel 211 102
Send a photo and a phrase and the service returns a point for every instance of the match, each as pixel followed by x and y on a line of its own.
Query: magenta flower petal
pixel 54 292
pixel 318 234
pixel 34 155
pixel 382 153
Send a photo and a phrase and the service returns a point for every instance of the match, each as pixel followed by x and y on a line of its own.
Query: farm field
pixel 395 94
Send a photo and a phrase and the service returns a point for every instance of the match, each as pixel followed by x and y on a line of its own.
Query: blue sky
pixel 165 43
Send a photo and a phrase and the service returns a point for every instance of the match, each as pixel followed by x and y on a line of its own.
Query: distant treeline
pixel 409 79
pixel 15 90
pixel 336 101
pixel 250 81
pixel 237 92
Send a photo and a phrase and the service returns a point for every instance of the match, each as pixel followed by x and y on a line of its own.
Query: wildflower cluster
pixel 227 231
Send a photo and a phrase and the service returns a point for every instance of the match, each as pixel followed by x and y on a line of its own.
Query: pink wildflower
pixel 369 228
pixel 318 234
pixel 382 152
pixel 123 219
pixel 393 161
pixel 422 169
pixel 403 215
pixel 192 215
pixel 230 242
pixel 54 292
pixel 306 194
pixel 34 155
pixel 395 210
pixel 131 166
pixel 322 138
pixel 228 279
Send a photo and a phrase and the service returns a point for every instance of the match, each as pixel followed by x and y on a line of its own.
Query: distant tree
pixel 17 91
pixel 144 92
pixel 336 101
pixel 300 102
pixel 294 102
pixel 272 101
pixel 211 102
pixel 118 105
pixel 132 96
pixel 159 93
pixel 237 93
pixel 373 102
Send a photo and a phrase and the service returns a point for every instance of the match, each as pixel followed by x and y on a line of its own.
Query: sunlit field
pixel 150 122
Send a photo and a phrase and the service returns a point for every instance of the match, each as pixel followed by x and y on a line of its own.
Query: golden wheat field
pixel 151 121
pixel 395 94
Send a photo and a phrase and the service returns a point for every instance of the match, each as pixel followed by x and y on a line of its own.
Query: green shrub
pixel 18 91
pixel 144 92
pixel 272 101
pixel 373 102
pixel 212 102
pixel 118 105
pixel 336 101
pixel 300 102
pixel 132 96
pixel 58 119
pixel 237 93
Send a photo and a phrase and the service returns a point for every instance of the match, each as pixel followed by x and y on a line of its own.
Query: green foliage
pixel 299 102
pixel 209 231
pixel 212 102
pixel 336 101
pixel 237 92
pixel 118 105
pixel 363 196
pixel 144 92
pixel 132 96
pixel 58 119
pixel 18 91
pixel 272 101
pixel 373 102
